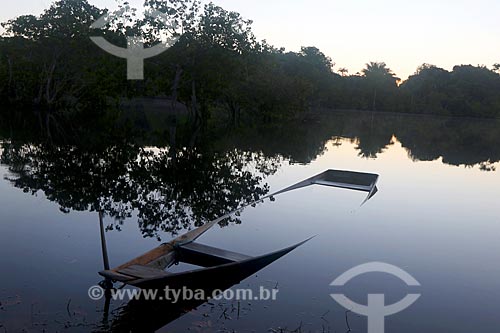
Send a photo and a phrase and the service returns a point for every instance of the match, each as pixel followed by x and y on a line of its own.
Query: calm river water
pixel 436 216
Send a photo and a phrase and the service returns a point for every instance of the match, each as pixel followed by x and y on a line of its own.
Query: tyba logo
pixel 135 53
pixel 376 310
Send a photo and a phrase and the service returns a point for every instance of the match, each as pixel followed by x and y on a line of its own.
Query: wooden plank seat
pixel 133 272
pixel 207 256
pixel 115 276
pixel 142 272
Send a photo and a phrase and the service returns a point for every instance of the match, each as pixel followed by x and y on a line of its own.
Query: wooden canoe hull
pixel 207 276
pixel 141 315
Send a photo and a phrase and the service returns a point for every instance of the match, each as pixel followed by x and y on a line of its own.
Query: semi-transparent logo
pixel 376 310
pixel 135 53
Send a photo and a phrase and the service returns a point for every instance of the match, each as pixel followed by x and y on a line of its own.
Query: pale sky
pixel 404 34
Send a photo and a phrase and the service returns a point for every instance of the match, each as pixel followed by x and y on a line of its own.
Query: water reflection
pixel 178 188
pixel 150 316
pixel 467 142
pixel 170 191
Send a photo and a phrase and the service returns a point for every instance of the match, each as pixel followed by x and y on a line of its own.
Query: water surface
pixel 435 216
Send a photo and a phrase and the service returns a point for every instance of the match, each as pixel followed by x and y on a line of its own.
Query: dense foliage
pixel 49 63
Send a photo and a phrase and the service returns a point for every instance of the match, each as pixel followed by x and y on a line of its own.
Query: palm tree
pixel 378 74
pixel 343 71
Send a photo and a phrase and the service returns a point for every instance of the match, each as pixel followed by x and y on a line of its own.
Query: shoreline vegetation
pixel 219 90
pixel 49 64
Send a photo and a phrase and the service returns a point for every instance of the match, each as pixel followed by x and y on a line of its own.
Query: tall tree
pixel 343 71
pixel 380 77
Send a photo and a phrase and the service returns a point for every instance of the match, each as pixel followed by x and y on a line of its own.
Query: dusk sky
pixel 404 34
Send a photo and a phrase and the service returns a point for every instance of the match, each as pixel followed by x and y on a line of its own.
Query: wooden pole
pixel 105 258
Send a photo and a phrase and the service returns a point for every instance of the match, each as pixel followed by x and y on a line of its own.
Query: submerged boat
pixel 148 270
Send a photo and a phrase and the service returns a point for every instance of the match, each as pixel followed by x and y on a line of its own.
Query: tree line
pixel 49 64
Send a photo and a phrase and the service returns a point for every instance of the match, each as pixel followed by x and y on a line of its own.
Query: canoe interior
pixel 203 277
pixel 347 179
pixel 216 262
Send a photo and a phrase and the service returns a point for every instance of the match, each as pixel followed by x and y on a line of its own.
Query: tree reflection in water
pixel 169 190
pixel 217 171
